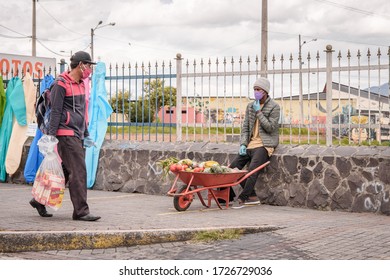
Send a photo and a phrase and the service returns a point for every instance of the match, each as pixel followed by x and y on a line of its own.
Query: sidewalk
pixel 132 219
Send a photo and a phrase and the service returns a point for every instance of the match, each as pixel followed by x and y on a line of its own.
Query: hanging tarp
pixel 99 110
pixel 19 131
pixel 15 106
pixel 34 157
pixel 2 100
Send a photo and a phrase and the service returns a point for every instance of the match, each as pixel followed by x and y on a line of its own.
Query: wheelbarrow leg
pixel 222 193
pixel 200 197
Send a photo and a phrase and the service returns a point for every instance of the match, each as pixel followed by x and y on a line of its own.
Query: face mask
pixel 259 94
pixel 86 72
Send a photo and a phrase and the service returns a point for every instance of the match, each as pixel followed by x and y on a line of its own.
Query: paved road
pixel 298 233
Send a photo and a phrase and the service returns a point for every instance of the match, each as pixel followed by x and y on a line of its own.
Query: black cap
pixel 81 56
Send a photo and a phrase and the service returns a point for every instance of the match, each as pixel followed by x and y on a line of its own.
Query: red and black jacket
pixel 68 108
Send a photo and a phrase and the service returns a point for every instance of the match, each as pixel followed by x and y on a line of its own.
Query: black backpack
pixel 43 108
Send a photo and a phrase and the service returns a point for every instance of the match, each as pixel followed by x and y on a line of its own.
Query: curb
pixel 11 242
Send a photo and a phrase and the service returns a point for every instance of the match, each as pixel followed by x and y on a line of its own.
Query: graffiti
pixel 323 110
pixel 370 205
pixel 157 171
pixel 378 189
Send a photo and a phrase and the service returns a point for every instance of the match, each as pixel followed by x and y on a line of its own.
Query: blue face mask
pixel 259 94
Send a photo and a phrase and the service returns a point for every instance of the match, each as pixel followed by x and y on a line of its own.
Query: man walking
pixel 68 124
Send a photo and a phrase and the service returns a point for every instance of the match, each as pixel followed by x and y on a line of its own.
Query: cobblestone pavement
pixel 302 234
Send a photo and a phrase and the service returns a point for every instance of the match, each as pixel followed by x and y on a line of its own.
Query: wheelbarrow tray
pixel 210 179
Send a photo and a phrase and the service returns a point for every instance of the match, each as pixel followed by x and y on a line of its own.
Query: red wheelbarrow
pixel 217 186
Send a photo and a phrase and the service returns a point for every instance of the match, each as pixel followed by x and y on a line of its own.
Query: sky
pixel 156 30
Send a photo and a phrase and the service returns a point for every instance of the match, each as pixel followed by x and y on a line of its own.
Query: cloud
pixel 158 29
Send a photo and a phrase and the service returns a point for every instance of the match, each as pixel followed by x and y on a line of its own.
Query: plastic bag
pixel 49 184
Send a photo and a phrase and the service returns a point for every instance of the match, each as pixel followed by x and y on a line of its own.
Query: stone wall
pixel 355 179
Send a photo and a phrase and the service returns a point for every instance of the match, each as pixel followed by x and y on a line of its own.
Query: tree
pixel 154 91
pixel 143 110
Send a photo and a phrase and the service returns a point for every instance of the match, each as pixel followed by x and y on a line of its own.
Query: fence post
pixel 329 95
pixel 178 96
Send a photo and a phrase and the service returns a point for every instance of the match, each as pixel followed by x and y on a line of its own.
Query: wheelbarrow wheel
pixel 182 202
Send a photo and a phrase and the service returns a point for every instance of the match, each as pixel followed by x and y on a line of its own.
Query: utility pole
pixel 264 37
pixel 34 29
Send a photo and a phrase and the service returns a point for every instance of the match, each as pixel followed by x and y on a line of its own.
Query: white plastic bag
pixel 49 184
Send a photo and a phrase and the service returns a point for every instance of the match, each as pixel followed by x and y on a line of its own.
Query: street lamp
pixel 300 81
pixel 93 33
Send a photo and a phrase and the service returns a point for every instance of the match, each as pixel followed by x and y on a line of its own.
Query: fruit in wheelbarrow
pixel 172 168
pixel 186 161
pixel 210 163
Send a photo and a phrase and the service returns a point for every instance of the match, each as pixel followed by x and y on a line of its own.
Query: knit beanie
pixel 262 83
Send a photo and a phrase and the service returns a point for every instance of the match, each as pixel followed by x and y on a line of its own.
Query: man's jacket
pixel 268 117
pixel 68 112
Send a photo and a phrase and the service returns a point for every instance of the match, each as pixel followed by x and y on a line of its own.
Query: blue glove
pixel 256 105
pixel 88 142
pixel 242 151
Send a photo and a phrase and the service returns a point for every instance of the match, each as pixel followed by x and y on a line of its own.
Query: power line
pixel 14 37
pixel 352 9
pixel 48 48
pixel 50 15
pixel 25 36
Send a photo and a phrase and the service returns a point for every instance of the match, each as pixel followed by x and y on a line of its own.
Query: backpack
pixel 43 108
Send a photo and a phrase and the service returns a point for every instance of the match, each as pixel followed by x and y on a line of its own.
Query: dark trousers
pixel 72 154
pixel 254 158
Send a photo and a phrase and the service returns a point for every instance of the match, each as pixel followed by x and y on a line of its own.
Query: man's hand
pixel 242 151
pixel 256 105
pixel 88 142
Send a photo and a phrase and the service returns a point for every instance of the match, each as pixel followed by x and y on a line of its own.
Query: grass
pixel 172 130
pixel 214 235
pixel 283 132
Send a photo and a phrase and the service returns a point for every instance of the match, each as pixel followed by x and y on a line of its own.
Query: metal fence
pixel 326 98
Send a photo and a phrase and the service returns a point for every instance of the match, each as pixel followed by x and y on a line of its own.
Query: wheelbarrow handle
pixel 253 171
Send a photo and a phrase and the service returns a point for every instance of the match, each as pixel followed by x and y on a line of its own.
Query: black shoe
pixel 40 208
pixel 88 218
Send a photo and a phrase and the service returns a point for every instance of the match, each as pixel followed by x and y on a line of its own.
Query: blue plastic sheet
pixel 34 157
pixel 98 111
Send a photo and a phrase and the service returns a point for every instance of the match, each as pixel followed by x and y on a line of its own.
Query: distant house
pixel 188 115
pixel 207 110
